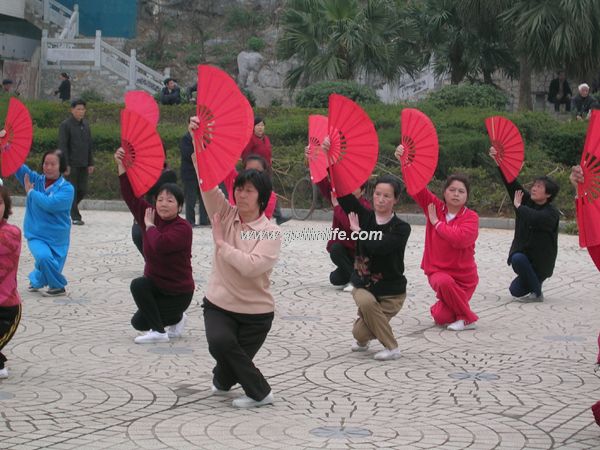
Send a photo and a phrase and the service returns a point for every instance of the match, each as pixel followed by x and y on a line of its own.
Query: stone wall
pixel 109 86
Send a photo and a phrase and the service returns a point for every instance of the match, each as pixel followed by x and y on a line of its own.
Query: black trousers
pixel 79 179
pixel 156 309
pixel 137 237
pixel 341 257
pixel 233 340
pixel 191 195
pixel 10 316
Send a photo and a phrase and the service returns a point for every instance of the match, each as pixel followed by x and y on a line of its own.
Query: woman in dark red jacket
pixel 165 291
pixel 449 255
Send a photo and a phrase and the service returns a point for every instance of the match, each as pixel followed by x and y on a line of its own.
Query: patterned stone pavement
pixel 523 379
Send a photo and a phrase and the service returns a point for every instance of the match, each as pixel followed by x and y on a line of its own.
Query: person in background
pixel 10 301
pixel 64 89
pixel 75 142
pixel 582 102
pixel 170 94
pixel 191 189
pixel 192 92
pixel 559 92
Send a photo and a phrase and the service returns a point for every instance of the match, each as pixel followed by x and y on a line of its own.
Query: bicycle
pixel 305 198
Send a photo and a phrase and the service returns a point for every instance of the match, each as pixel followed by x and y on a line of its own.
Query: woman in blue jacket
pixel 47 224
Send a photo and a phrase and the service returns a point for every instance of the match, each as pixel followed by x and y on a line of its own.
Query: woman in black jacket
pixel 535 244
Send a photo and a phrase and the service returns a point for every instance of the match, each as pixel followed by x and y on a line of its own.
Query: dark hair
pixel 65 75
pixel 258 119
pixel 262 183
pixel 62 161
pixel 389 179
pixel 77 102
pixel 550 185
pixel 258 158
pixel 7 81
pixel 7 202
pixel 169 79
pixel 457 177
pixel 172 189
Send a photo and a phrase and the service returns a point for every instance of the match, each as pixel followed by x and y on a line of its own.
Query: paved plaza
pixel 524 379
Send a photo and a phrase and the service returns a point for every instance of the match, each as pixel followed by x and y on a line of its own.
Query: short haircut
pixel 583 85
pixel 258 158
pixel 258 119
pixel 172 189
pixel 7 81
pixel 62 161
pixel 457 177
pixel 392 180
pixel 261 182
pixel 7 202
pixel 550 185
pixel 77 102
pixel 65 75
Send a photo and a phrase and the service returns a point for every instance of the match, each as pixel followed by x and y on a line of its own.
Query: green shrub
pixel 482 96
pixel 465 148
pixel 317 95
pixel 249 96
pixel 243 18
pixel 564 142
pixel 91 95
pixel 256 44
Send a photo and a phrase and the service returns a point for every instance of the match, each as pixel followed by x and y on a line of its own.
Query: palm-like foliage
pixel 342 39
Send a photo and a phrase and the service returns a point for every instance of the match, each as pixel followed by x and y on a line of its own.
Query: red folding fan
pixel 317 158
pixel 588 192
pixel 421 149
pixel 144 104
pixel 144 154
pixel 354 145
pixel 15 145
pixel 506 139
pixel 226 124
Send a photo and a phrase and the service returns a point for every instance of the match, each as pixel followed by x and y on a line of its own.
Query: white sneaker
pixel 151 337
pixel 3 373
pixel 348 288
pixel 356 347
pixel 176 331
pixel 216 391
pixel 459 325
pixel 387 355
pixel 247 402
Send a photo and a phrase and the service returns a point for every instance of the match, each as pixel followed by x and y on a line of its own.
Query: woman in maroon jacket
pixel 165 291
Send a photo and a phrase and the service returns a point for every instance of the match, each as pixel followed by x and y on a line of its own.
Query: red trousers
pixel 453 293
pixel 594 252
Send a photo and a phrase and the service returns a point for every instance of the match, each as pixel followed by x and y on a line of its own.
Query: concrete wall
pixel 13 8
pixel 103 82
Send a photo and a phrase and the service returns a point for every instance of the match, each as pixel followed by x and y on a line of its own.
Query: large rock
pixel 249 64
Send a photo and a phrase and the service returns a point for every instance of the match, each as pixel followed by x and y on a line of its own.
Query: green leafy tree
pixel 345 39
pixel 552 34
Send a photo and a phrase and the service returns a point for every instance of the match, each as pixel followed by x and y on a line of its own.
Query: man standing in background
pixel 75 141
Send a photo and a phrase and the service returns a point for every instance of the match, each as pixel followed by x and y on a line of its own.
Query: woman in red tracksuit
pixel 449 255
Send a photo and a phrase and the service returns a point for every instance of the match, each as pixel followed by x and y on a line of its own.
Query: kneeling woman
pixel 165 291
pixel 10 301
pixel 239 307
pixel 449 255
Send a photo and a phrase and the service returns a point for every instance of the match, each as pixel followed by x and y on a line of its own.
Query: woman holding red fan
pixel 47 224
pixel 10 301
pixel 449 255
pixel 535 244
pixel 165 291
pixel 238 306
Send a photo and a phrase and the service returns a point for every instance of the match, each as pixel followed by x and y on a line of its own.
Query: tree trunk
pixel 487 77
pixel 525 102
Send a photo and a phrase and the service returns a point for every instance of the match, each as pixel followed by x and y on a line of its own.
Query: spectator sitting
pixel 559 92
pixel 6 85
pixel 582 102
pixel 170 94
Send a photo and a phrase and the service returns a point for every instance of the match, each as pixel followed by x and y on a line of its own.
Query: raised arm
pixel 137 206
pixel 24 170
pixel 511 187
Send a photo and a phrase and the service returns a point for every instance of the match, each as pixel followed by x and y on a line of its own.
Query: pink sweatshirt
pixel 239 281
pixel 10 250
pixel 449 246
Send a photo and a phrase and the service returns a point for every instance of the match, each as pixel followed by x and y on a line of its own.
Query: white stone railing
pixel 71 29
pixel 51 11
pixel 81 53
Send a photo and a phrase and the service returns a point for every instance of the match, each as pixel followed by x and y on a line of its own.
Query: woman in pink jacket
pixel 10 301
pixel 449 255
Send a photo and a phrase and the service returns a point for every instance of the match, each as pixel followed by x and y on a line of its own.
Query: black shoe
pixel 54 292
pixel 531 298
pixel 32 289
pixel 281 220
pixel 78 222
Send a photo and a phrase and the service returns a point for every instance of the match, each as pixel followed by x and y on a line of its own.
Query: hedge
pixel 551 146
